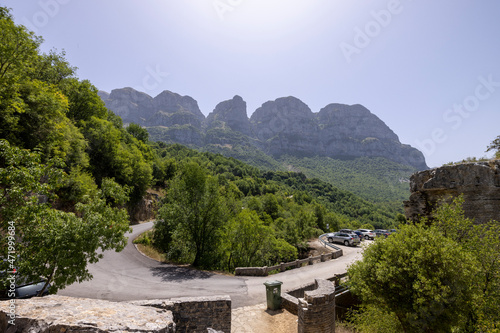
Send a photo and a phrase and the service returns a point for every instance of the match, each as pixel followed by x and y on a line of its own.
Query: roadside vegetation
pixel 439 278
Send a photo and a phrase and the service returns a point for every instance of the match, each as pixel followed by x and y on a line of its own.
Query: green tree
pixel 417 276
pixel 193 216
pixel 52 68
pixel 481 241
pixel 111 156
pixel 246 238
pixel 18 47
pixel 138 132
pixel 50 243
pixel 84 102
pixel 495 145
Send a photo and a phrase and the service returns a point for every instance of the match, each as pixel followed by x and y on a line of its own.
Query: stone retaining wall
pixel 196 314
pixel 264 271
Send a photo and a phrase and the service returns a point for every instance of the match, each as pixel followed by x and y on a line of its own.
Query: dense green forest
pixel 376 179
pixel 289 206
pixel 86 170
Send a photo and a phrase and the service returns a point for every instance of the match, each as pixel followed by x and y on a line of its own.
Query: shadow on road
pixel 170 273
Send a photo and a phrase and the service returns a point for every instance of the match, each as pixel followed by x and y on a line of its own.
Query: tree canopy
pixel 439 278
pixel 45 242
pixel 58 205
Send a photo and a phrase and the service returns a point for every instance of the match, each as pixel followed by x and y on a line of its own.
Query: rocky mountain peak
pixel 131 105
pixel 354 121
pixel 284 107
pixel 283 126
pixel 230 113
pixel 170 102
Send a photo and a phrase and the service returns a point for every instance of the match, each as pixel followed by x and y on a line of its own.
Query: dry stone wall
pixel 196 314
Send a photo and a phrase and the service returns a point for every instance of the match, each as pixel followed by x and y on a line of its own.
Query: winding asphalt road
pixel 128 275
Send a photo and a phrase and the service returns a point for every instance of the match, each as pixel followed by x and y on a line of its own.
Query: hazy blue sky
pixel 429 69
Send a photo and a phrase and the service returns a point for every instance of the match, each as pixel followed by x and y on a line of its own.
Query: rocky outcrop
pixel 55 313
pixel 230 114
pixel 166 109
pixel 174 109
pixel 145 209
pixel 286 126
pixel 283 126
pixel 66 314
pixel 131 105
pixel 478 182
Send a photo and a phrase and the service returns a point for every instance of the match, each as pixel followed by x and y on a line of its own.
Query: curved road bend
pixel 129 275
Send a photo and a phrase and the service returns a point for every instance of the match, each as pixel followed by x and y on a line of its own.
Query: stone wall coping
pixel 165 303
pixel 264 271
pixel 71 314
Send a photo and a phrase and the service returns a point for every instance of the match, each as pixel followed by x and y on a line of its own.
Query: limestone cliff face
pixel 130 104
pixel 352 130
pixel 166 109
pixel 283 126
pixel 478 182
pixel 286 126
pixel 230 114
pixel 174 109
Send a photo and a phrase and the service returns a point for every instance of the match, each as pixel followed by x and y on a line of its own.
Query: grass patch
pixel 145 246
pixel 151 252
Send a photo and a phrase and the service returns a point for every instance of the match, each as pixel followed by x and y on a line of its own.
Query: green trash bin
pixel 273 294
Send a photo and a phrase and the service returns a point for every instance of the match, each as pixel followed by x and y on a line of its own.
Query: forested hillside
pixel 375 179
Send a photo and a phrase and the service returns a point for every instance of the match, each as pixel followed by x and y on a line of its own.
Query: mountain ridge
pixel 285 126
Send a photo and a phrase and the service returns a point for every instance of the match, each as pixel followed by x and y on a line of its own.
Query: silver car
pixel 344 238
pixel 367 234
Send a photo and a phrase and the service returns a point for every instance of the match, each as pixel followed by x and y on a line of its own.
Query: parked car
pixel 349 231
pixel 26 290
pixel 367 234
pixel 392 231
pixel 381 233
pixel 359 234
pixel 23 288
pixel 343 238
